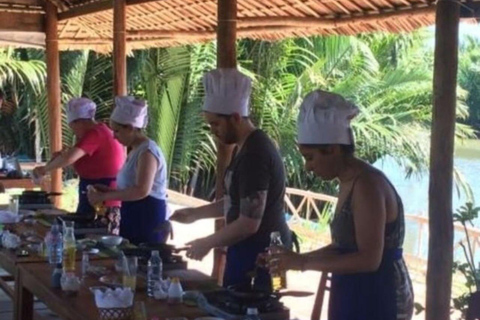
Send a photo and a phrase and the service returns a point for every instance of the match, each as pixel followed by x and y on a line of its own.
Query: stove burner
pixel 270 308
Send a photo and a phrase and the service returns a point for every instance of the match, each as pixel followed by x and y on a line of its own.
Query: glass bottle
pixel 279 278
pixel 69 247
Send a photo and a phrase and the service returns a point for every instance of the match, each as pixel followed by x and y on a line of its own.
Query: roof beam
pixel 13 21
pixel 311 22
pixel 94 7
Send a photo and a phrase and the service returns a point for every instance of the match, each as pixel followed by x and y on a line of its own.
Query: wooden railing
pixel 313 206
pixel 308 205
pixel 302 204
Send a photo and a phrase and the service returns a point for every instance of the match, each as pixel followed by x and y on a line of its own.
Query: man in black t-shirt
pixel 254 183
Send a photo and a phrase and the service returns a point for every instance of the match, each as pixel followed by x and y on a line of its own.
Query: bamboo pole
pixel 53 92
pixel 226 58
pixel 119 47
pixel 440 254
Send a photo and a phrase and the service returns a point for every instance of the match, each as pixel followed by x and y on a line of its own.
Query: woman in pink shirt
pixel 96 157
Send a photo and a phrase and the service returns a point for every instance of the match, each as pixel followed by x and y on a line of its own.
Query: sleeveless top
pixel 127 175
pixel 342 226
pixel 385 294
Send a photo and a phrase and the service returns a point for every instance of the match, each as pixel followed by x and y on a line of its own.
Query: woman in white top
pixel 142 182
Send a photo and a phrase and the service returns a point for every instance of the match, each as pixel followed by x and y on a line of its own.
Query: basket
pixel 115 313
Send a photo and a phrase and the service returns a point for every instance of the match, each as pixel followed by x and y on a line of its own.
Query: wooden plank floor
pixel 6 307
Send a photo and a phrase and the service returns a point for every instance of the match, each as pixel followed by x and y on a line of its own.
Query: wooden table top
pixel 36 279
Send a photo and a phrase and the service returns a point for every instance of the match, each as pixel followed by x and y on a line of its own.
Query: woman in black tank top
pixel 370 280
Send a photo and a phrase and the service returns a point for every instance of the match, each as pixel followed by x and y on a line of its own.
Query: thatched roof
pixel 88 24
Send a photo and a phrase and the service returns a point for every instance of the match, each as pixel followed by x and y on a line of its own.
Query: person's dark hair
pixel 2 95
pixel 347 149
pixel 125 126
pixel 228 116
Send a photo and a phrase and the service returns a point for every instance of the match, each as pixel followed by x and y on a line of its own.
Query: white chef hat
pixel 227 91
pixel 80 108
pixel 324 118
pixel 129 110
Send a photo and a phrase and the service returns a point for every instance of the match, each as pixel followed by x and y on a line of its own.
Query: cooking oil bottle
pixel 279 278
pixel 69 247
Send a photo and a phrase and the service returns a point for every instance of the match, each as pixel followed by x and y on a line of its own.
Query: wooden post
pixel 226 58
pixel 119 47
pixel 53 91
pixel 440 254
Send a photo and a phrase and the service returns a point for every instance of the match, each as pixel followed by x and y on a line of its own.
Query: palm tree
pixel 22 77
pixel 388 77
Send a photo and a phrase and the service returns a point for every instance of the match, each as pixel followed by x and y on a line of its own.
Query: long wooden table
pixel 32 276
pixel 34 280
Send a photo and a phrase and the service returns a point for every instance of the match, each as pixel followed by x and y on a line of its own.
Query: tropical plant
pixel 469 78
pixel 171 82
pixel 389 77
pixel 465 215
pixel 22 77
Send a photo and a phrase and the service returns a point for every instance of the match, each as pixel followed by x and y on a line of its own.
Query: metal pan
pixel 246 292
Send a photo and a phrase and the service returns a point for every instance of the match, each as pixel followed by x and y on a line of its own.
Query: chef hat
pixel 227 91
pixel 324 118
pixel 129 110
pixel 80 108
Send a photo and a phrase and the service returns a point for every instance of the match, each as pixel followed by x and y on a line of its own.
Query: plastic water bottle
pixel 252 314
pixel 85 264
pixel 155 269
pixel 54 243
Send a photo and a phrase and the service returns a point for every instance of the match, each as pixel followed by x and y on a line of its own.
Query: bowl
pixel 111 241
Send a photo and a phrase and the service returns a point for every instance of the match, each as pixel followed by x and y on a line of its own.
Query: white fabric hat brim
pixel 130 111
pixel 80 108
pixel 324 119
pixel 227 91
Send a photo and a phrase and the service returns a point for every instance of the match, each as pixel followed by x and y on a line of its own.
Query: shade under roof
pixel 88 24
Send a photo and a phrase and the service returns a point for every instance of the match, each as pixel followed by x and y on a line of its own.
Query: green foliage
pixel 466 214
pixel 469 78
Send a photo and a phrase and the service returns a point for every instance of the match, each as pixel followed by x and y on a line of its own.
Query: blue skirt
pixel 140 220
pixel 366 296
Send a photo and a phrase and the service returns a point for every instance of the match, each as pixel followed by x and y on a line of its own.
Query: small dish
pixel 92 251
pixel 111 241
